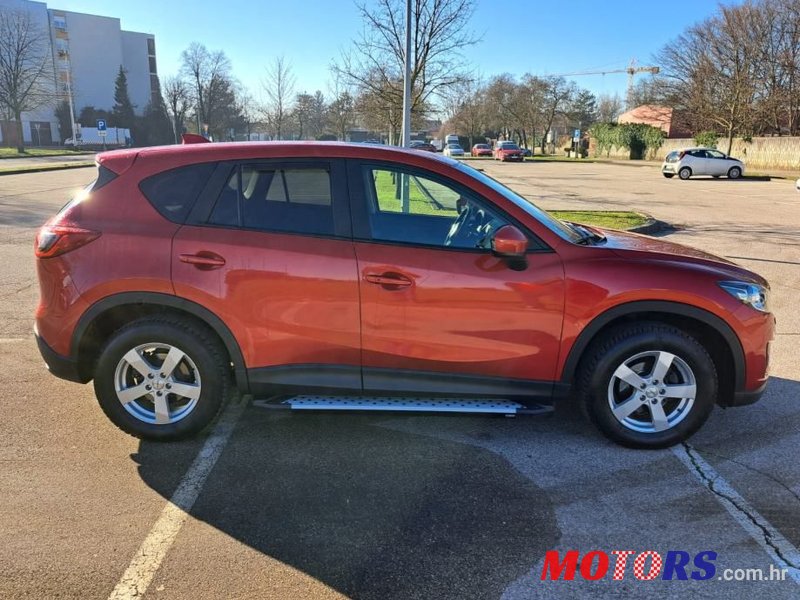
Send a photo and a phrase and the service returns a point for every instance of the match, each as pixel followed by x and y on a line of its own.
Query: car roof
pixel 181 154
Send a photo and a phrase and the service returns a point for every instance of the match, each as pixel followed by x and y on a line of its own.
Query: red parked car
pixel 481 150
pixel 504 151
pixel 294 268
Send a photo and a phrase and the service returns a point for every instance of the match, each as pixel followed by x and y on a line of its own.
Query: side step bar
pixel 400 404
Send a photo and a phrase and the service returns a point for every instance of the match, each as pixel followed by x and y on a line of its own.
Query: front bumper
pixel 745 397
pixel 60 366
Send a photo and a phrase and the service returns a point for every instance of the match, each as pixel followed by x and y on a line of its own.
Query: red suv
pixel 286 268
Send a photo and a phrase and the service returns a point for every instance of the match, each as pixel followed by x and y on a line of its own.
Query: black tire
pixel 669 175
pixel 596 380
pixel 685 173
pixel 202 348
pixel 734 173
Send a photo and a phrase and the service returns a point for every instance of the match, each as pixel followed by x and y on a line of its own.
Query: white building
pixel 88 51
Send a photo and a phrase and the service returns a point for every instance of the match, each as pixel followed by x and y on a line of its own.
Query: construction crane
pixel 632 70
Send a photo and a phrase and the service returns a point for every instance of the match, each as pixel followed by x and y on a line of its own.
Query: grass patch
pixel 37 152
pixel 602 218
pixel 16 170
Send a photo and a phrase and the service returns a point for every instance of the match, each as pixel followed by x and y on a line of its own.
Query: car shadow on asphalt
pixel 372 512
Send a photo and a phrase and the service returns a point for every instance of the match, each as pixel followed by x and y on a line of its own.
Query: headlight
pixel 751 294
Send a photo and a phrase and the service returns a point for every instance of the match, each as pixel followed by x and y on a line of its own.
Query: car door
pixel 439 312
pixel 699 162
pixel 718 162
pixel 268 249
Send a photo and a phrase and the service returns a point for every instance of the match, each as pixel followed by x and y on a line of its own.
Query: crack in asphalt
pixel 745 511
pixel 755 470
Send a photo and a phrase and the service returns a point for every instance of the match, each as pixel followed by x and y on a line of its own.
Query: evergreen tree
pixel 123 109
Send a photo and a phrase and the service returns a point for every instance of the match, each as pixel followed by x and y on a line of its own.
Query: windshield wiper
pixel 587 237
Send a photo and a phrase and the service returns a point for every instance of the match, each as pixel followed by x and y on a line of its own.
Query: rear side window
pixel 172 193
pixel 292 200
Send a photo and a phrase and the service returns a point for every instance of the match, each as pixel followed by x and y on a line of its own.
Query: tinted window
pixel 290 200
pixel 172 193
pixel 434 214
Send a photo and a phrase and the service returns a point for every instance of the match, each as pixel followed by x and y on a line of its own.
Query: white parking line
pixel 149 556
pixel 784 554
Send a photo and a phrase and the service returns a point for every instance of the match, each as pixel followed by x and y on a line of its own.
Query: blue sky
pixel 536 36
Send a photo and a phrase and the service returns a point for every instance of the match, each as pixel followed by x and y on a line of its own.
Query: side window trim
pixel 342 222
pixel 360 199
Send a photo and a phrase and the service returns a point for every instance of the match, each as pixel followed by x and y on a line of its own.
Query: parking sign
pixel 101 127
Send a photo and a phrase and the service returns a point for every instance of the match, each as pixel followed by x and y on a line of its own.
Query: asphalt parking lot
pixel 401 506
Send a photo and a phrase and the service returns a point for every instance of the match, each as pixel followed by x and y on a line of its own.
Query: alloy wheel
pixel 157 383
pixel 652 392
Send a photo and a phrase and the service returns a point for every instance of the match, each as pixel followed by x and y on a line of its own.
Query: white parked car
pixel 453 150
pixel 701 161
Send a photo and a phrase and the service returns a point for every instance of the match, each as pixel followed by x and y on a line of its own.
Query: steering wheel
pixel 466 228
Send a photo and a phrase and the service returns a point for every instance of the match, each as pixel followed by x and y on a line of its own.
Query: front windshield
pixel 560 228
pixel 509 146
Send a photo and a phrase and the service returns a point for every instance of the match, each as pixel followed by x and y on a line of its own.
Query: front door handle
pixel 390 281
pixel 203 260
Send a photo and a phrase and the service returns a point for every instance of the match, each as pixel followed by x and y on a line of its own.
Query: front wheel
pixel 734 173
pixel 162 378
pixel 648 385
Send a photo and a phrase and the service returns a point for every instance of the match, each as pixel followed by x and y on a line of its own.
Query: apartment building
pixel 88 51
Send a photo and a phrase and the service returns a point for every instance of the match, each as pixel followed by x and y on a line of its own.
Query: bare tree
pixel 177 97
pixel 279 88
pixel 466 109
pixel 26 67
pixel 609 108
pixel 374 65
pixel 209 77
pixel 341 112
pixel 711 72
pixel 558 93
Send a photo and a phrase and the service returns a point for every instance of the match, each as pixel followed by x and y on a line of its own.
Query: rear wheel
pixel 648 385
pixel 734 173
pixel 162 378
pixel 685 173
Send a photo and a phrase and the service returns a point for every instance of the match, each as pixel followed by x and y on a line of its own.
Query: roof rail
pixel 193 138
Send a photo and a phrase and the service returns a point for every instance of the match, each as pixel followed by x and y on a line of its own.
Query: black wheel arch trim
pixel 167 301
pixel 656 306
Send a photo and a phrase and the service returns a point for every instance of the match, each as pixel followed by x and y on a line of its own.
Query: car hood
pixel 645 247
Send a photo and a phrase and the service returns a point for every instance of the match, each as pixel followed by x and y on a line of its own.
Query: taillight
pixel 58 238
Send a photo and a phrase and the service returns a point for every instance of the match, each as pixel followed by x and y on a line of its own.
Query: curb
pixel 651 227
pixel 44 168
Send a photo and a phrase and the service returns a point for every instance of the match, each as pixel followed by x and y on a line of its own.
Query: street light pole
pixel 406 140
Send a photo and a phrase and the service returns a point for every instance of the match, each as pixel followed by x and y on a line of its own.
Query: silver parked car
pixel 701 161
pixel 453 150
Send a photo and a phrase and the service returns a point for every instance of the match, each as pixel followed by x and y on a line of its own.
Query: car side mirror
pixel 509 242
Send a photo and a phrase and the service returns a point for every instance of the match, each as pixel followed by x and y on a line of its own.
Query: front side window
pixel 411 208
pixel 286 200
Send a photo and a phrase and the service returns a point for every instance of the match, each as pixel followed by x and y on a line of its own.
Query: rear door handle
pixel 203 260
pixel 389 280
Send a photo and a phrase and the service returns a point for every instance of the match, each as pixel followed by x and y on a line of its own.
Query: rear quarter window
pixel 173 193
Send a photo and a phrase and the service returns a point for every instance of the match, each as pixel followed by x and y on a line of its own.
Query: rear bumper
pixel 60 366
